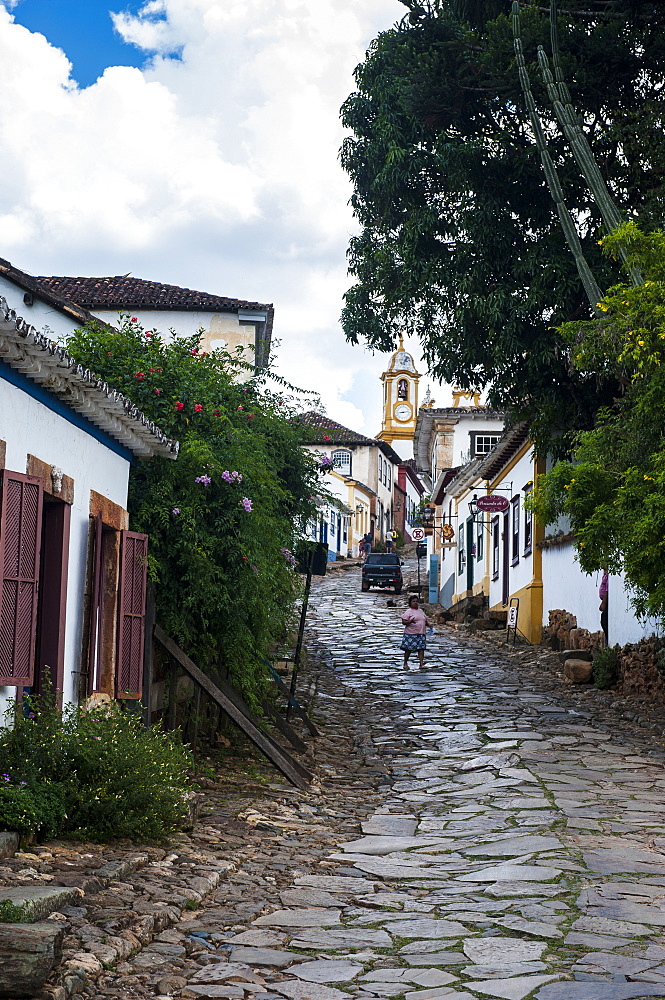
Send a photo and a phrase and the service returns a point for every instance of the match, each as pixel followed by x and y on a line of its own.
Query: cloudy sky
pixel 194 142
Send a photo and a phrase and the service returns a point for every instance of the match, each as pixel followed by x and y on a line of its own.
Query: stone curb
pixel 86 966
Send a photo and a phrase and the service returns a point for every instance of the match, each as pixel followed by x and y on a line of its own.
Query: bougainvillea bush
pixel 220 516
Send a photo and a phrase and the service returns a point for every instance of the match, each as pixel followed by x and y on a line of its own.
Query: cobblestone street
pixel 478 832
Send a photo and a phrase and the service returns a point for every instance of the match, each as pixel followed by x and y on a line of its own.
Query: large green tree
pixel 459 239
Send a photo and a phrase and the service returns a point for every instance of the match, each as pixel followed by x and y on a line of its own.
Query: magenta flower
pixel 246 503
pixel 204 480
pixel 176 510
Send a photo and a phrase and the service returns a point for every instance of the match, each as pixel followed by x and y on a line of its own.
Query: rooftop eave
pixel 46 363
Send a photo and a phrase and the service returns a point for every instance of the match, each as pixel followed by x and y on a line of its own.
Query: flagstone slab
pixel 423 927
pixel 299 990
pixel 386 845
pixel 514 846
pixel 510 989
pixel 336 883
pixel 258 939
pixel 622 964
pixel 511 873
pixel 308 898
pixel 512 890
pixel 390 825
pixel 537 928
pixel 438 993
pixel 502 951
pixel 347 938
pixel 222 971
pixel 298 918
pixel 624 909
pixel 609 861
pixel 606 925
pixel 327 971
pixel 503 971
pixel 600 991
pixel 264 956
pixel 435 958
pixel 603 941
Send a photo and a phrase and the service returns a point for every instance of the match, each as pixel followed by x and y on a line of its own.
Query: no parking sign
pixel 417 534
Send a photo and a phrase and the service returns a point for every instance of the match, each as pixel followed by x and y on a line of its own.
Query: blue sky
pixel 84 30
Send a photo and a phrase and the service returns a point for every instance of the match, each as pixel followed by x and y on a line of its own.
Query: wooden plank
pixel 242 706
pixel 285 729
pixel 148 653
pixel 295 707
pixel 290 768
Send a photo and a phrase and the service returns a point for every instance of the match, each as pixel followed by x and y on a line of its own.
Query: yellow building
pixel 400 402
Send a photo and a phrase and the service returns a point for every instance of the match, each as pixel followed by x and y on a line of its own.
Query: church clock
pixel 400 402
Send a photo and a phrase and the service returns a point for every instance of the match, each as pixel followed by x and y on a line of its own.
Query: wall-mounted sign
pixel 492 503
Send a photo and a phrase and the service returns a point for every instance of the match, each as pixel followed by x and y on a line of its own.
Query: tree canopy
pixel 459 241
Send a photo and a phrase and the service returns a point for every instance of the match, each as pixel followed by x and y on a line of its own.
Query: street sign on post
pixel 417 534
pixel 492 503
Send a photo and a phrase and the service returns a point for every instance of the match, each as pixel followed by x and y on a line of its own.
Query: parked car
pixel 382 569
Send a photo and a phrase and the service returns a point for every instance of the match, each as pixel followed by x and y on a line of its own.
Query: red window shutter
pixel 131 614
pixel 21 499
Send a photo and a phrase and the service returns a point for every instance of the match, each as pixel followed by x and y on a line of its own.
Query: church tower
pixel 400 402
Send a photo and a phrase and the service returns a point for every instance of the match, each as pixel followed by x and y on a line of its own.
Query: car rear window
pixel 387 558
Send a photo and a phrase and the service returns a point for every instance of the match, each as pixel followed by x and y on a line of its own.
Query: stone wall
pixel 642 669
pixel 563 633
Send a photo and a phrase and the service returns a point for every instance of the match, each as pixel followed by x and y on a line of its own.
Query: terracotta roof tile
pixel 322 426
pixel 125 292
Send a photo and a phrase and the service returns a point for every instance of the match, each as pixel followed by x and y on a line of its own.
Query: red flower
pixel 216 413
pixel 250 415
pixel 241 407
pixel 244 558
pixel 135 319
pixel 198 407
pixel 326 437
pixel 148 335
pixel 140 376
pixel 179 405
pixel 195 350
pixel 158 392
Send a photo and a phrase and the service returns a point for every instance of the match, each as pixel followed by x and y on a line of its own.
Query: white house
pixel 363 474
pixel 226 323
pixel 72 577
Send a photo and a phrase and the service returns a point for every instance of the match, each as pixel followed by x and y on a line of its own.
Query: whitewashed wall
pixel 566 587
pixel 461 435
pixel 44 318
pixel 30 428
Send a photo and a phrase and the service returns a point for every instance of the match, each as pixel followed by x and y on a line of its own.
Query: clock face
pixel 403 411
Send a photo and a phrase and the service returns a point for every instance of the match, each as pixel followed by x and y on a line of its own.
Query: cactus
pixel 591 288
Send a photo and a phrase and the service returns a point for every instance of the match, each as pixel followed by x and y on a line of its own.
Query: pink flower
pixel 241 407
pixel 176 510
pixel 205 480
pixel 179 405
pixel 246 503
pixel 140 376
pixel 158 392
pixel 251 416
pixel 198 407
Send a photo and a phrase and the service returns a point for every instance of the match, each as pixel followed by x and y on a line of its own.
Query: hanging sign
pixel 448 532
pixel 492 503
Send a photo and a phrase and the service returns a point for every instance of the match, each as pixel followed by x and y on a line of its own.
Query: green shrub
pixel 606 667
pixel 98 775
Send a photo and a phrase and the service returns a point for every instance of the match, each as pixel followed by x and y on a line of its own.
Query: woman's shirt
pixel 415 622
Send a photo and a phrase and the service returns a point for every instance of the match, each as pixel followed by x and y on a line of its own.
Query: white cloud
pixel 218 169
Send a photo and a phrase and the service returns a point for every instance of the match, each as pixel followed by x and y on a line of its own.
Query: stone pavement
pixel 474 836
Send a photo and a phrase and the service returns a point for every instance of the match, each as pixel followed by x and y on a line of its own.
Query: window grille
pixel 341 460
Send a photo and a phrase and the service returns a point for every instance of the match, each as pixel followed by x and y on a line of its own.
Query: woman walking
pixel 415 625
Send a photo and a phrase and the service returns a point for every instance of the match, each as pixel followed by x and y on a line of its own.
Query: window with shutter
pixel 131 614
pixel 20 534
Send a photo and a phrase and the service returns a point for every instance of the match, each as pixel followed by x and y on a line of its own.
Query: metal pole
pixel 418 575
pixel 301 633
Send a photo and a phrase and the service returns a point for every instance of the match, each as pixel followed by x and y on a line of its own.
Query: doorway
pixel 470 559
pixel 52 600
pixel 505 581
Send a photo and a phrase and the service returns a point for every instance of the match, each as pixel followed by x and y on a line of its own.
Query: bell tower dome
pixel 400 402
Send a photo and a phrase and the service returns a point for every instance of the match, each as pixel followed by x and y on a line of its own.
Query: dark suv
pixel 382 569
